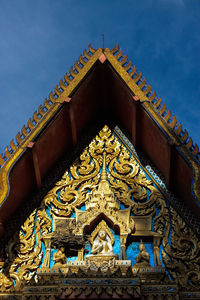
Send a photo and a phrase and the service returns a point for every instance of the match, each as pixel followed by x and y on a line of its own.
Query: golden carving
pixel 102 201
pixel 106 176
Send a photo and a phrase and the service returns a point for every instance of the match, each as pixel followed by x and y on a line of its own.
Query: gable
pixel 108 170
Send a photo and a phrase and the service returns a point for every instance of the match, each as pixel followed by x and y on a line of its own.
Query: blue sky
pixel 41 39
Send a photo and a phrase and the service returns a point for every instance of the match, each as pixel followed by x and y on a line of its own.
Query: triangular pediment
pixel 109 189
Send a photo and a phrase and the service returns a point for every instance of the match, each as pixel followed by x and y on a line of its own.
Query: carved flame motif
pixel 128 182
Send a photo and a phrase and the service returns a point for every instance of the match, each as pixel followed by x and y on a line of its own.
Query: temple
pixel 100 192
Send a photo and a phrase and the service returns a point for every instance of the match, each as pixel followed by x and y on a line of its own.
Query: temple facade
pixel 100 192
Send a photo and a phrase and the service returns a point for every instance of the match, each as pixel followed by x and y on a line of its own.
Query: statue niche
pixel 102 244
pixel 102 241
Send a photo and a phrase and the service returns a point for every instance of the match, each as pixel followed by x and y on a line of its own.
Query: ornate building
pixel 100 192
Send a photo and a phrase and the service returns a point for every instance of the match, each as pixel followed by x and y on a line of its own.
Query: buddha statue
pixel 142 259
pixel 60 258
pixel 102 250
pixel 102 244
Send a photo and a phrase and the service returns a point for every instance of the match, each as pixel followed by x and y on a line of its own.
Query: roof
pixel 102 84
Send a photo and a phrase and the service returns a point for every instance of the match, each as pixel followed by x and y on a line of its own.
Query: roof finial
pixel 103 41
pixel 104 173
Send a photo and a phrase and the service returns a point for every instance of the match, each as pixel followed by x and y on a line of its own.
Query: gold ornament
pixel 106 175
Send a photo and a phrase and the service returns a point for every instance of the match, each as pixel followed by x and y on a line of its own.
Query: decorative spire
pixel 103 195
pixel 104 172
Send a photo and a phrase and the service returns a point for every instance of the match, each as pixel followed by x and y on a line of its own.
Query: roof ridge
pixel 49 102
pixel 157 104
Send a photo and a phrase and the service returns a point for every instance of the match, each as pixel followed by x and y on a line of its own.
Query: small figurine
pixel 142 259
pixel 60 258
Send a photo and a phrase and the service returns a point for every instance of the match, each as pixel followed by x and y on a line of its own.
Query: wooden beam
pixel 38 180
pixel 72 121
pixel 135 120
pixel 73 125
pixel 169 176
pixel 1 228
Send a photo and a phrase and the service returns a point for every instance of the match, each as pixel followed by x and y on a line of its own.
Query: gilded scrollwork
pixel 130 185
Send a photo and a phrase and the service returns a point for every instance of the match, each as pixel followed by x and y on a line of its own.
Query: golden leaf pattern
pixel 131 186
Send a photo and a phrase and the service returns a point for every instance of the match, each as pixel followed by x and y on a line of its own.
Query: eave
pixel 102 83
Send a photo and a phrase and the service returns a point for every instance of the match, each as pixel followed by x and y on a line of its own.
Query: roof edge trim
pixel 140 88
pixel 154 106
pixel 43 115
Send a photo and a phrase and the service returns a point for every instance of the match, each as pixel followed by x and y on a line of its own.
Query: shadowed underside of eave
pixel 104 95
